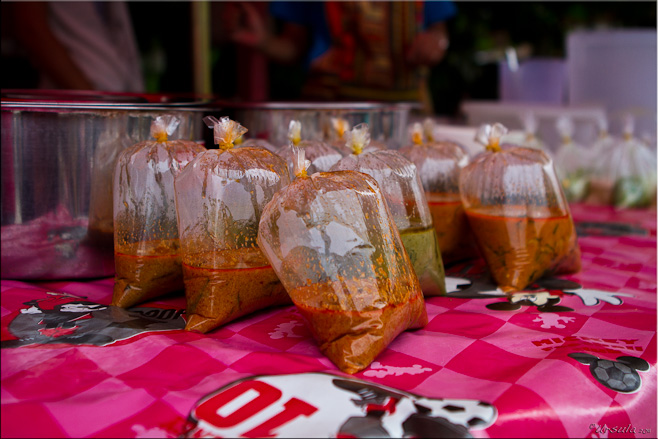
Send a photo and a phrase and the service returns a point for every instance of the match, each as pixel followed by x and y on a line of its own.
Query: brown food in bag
pixel 218 295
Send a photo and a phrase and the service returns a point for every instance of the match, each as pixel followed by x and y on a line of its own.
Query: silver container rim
pixel 72 100
pixel 318 106
pixel 46 105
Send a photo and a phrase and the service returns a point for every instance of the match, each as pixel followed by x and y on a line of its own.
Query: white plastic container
pixel 537 80
pixel 617 70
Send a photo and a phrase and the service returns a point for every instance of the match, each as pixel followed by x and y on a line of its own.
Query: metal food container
pixel 58 155
pixel 270 120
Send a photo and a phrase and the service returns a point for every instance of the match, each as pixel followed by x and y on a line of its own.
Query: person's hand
pixel 253 32
pixel 429 47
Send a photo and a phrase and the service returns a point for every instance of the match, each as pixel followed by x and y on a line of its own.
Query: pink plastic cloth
pixel 575 357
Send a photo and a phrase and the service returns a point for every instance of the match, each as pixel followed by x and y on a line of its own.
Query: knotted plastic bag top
pixel 338 137
pixel 321 155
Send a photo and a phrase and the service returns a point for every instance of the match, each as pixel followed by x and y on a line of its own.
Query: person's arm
pixel 287 47
pixel 44 50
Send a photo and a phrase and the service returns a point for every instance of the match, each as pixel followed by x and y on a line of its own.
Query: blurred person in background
pixel 80 45
pixel 360 50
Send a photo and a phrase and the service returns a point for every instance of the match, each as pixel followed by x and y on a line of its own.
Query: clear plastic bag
pixel 111 143
pixel 146 245
pixel 334 245
pixel 630 168
pixel 401 187
pixel 572 162
pixel 528 135
pixel 321 155
pixel 518 213
pixel 439 164
pixel 220 196
pixel 600 182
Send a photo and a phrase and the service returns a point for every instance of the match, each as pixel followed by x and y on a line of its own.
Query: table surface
pixel 544 366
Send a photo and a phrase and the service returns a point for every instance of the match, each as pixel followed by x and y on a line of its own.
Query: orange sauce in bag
pixel 354 320
pixel 520 250
pixel 452 228
pixel 145 270
pixel 216 296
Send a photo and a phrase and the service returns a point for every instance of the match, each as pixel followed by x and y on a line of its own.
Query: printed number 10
pixel 259 395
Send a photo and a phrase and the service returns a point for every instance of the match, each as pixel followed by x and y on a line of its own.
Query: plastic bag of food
pixel 219 197
pixel 111 143
pixel 401 187
pixel 531 140
pixel 335 247
pixel 518 213
pixel 439 164
pixel 321 155
pixel 528 135
pixel 146 245
pixel 572 162
pixel 629 167
pixel 600 182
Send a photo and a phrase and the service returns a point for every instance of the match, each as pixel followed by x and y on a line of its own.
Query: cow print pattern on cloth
pixel 325 405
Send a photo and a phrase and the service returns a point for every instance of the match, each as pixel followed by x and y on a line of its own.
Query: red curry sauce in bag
pixel 219 197
pixel 518 212
pixel 331 240
pixel 146 246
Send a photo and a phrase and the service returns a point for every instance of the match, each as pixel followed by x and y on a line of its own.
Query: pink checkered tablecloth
pixel 574 357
